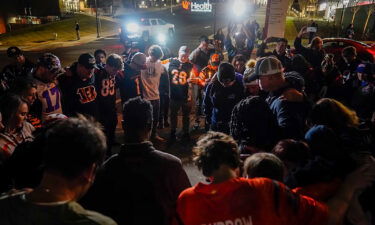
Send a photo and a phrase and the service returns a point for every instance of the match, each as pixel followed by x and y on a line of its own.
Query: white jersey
pixel 50 97
pixel 151 79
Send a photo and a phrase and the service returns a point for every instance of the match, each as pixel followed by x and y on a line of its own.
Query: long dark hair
pixel 333 114
pixel 9 105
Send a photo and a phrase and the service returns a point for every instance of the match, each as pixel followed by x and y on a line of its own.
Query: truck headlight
pixel 161 38
pixel 132 27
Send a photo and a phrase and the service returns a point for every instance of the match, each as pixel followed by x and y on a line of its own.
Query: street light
pixel 97 20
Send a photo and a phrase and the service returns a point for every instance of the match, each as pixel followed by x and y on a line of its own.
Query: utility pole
pixel 214 11
pixel 97 20
pixel 171 7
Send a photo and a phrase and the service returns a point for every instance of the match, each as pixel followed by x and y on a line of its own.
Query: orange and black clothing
pixel 205 74
pixel 79 96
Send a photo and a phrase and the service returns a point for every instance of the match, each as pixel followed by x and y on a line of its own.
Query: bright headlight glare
pixel 239 7
pixel 132 27
pixel 161 38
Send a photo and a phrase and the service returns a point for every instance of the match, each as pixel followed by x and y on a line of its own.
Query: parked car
pixel 335 46
pixel 146 29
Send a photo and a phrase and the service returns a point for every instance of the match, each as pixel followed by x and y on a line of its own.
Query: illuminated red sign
pixel 185 5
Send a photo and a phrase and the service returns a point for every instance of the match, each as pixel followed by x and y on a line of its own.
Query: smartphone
pixel 311 29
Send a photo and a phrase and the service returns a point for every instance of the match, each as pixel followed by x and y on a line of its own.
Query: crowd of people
pixel 289 135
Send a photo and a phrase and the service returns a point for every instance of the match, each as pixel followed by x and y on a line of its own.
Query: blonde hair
pixel 250 63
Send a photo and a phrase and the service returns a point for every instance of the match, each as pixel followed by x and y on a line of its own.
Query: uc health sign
pixel 197 6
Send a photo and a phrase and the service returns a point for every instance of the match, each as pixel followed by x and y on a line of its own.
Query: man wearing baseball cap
pixel 279 52
pixel 200 80
pixel 20 67
pixel 291 116
pixel 78 87
pixel 363 98
pixel 179 70
pixel 222 94
pixel 48 99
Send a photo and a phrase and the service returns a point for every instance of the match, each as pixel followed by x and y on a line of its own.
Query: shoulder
pixel 99 219
pixel 168 159
pixel 28 129
pixel 187 193
pixel 89 217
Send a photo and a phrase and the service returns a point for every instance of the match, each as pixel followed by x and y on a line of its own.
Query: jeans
pixel 155 114
pixel 175 108
pixel 198 97
pixel 109 122
pixel 164 108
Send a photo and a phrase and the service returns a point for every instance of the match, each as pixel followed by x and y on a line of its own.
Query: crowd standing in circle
pixel 289 135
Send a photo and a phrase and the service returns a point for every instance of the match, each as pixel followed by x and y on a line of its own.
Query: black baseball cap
pixel 14 52
pixel 50 61
pixel 203 38
pixel 226 72
pixel 87 60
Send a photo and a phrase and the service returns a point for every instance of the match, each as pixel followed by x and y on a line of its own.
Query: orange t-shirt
pixel 241 201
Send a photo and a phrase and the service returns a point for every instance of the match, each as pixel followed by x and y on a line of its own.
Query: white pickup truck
pixel 147 29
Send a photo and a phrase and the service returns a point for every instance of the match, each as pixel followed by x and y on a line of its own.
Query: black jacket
pixel 285 60
pixel 290 116
pixel 12 71
pixel 140 185
pixel 314 57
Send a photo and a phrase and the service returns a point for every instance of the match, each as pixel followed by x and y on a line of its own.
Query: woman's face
pixel 30 95
pixel 239 66
pixel 21 115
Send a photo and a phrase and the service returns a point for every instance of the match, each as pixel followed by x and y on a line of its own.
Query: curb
pixel 50 45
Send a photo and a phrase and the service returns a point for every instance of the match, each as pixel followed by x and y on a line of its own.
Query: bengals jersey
pixel 106 89
pixel 49 96
pixel 79 96
pixel 206 75
pixel 129 83
pixel 178 75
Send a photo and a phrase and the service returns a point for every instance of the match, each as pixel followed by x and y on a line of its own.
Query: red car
pixel 335 46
